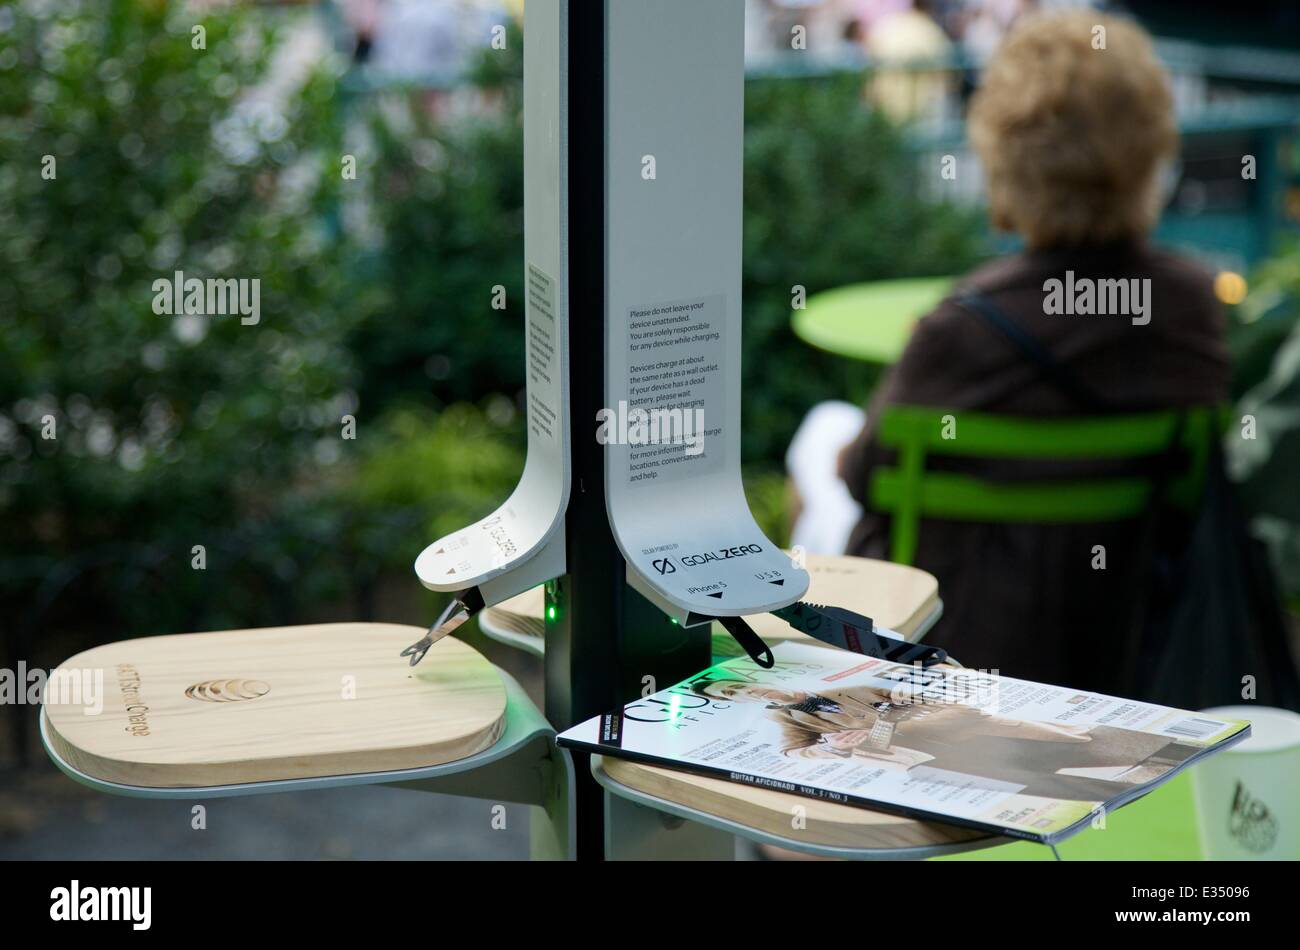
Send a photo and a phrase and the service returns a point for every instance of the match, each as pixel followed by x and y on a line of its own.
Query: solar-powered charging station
pixel 633 211
pixel 634 123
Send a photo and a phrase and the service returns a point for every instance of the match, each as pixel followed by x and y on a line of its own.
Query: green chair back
pixel 909 491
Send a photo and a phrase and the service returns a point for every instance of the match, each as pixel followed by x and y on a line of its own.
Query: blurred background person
pixel 822 23
pixel 911 55
pixel 1073 140
pixel 429 45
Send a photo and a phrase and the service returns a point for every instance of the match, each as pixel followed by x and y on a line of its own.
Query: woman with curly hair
pixel 1074 126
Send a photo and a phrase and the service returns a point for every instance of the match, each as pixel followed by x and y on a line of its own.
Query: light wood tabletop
pixel 522 615
pixel 901 598
pixel 798 819
pixel 203 709
pixel 895 596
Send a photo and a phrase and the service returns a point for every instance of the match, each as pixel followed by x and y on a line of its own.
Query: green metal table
pixel 871 321
pixel 1160 826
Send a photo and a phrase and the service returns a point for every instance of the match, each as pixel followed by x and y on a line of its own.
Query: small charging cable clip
pixel 837 627
pixel 463 606
pixel 852 631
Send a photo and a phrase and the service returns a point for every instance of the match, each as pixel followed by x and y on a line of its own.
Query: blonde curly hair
pixel 1074 122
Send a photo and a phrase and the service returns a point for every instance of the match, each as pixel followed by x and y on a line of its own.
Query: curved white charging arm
pixel 675 127
pixel 521 544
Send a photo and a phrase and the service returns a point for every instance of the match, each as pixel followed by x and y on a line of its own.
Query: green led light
pixel 550 612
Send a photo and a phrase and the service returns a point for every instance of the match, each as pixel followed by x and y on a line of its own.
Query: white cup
pixel 1248 796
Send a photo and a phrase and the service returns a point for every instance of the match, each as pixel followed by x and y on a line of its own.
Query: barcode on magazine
pixel 1194 728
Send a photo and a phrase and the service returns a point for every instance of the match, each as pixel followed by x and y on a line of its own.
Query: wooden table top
pixel 195 710
pixel 201 709
pixel 794 817
pixel 896 596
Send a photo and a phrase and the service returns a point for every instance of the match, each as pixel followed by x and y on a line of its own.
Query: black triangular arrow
pixel 717 596
pixel 780 583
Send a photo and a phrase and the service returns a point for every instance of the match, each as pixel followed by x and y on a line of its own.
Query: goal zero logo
pixel 665 566
pixel 722 554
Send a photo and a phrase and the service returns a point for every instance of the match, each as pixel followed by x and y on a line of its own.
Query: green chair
pixel 910 491
pixel 1164 825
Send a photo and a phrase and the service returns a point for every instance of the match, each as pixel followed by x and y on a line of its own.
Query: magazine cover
pixel 1005 755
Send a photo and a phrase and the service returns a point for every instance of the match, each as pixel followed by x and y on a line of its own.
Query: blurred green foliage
pixel 171 431
pixel 1266 348
pixel 445 468
pixel 831 198
pixel 769 494
pixel 447 199
pixel 376 303
pixel 1262 322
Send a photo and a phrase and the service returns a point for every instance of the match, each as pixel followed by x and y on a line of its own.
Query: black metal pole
pixel 579 652
pixel 605 644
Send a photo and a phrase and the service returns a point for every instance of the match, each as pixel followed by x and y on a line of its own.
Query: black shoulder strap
pixel 1079 392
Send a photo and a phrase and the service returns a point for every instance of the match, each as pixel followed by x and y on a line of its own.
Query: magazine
pixel 1003 755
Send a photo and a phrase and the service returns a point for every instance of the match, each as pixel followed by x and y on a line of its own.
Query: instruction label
pixel 543 360
pixel 676 357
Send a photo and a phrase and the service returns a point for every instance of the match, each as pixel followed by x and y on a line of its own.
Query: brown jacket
pixel 1025 599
